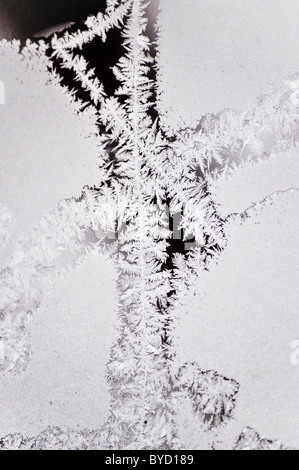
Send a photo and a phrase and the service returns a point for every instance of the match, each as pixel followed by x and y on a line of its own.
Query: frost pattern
pixel 249 439
pixel 212 396
pixel 145 169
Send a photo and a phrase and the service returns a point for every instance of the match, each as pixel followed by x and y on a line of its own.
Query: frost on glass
pixel 124 176
pixel 70 337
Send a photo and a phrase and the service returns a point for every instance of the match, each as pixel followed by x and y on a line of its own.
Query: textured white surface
pixel 243 317
pixel 244 314
pixel 235 193
pixel 48 152
pixel 72 334
pixel 223 53
pixel 2 352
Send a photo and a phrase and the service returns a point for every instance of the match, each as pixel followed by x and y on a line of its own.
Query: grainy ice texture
pixel 120 329
pixel 217 54
pixel 71 336
pixel 234 193
pixel 243 316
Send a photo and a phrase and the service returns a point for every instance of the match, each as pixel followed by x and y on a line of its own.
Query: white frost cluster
pixel 128 191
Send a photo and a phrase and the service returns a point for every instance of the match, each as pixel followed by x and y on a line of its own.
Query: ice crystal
pixel 145 173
